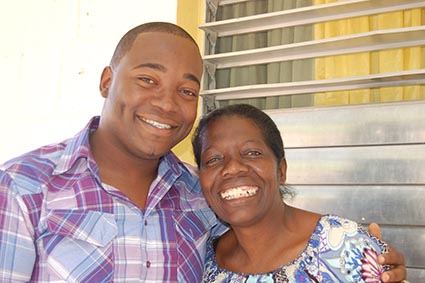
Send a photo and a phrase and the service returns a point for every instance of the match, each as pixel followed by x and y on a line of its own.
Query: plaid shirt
pixel 59 223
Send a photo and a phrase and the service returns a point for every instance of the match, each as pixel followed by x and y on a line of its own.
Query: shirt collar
pixel 78 147
pixel 179 169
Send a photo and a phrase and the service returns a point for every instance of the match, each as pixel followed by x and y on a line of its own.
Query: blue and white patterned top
pixel 339 250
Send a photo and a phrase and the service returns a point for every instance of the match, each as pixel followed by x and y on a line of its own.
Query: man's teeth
pixel 239 192
pixel 157 124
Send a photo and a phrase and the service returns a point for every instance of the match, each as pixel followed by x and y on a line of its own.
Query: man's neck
pixel 127 173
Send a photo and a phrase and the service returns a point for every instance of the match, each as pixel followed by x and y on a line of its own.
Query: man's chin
pixel 154 153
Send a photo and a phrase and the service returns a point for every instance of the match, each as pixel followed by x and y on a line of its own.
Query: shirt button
pixel 146 222
pixel 148 264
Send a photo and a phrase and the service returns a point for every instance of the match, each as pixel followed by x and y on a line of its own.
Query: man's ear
pixel 282 171
pixel 105 81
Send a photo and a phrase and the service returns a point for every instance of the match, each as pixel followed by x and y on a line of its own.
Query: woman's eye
pixel 212 160
pixel 253 153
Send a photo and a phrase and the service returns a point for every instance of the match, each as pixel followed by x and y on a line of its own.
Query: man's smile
pixel 156 124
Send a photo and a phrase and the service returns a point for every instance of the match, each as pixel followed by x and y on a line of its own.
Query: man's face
pixel 152 95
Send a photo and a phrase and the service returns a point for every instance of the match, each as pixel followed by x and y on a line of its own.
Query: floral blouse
pixel 339 250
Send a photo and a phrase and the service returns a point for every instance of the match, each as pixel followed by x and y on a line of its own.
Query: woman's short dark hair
pixel 264 123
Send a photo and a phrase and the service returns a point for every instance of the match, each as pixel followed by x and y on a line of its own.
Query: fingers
pixel 375 231
pixel 395 259
pixel 392 257
pixel 394 275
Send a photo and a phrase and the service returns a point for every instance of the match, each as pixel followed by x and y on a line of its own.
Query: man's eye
pixel 146 80
pixel 189 92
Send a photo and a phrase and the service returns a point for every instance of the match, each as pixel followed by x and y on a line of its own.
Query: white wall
pixel 52 53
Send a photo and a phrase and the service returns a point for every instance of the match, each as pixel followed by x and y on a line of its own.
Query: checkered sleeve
pixel 17 251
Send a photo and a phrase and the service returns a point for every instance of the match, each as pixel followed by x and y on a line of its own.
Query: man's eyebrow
pixel 155 66
pixel 162 68
pixel 192 77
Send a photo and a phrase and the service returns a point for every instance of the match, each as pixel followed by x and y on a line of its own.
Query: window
pixel 295 53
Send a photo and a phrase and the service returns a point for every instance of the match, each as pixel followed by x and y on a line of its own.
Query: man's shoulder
pixel 36 160
pixel 33 168
pixel 40 163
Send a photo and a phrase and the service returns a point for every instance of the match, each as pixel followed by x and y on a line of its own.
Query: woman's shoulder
pixel 332 225
pixel 345 250
pixel 335 234
pixel 332 221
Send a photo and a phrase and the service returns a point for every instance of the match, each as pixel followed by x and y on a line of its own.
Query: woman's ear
pixel 105 81
pixel 282 171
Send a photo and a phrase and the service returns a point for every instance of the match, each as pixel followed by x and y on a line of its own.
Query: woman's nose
pixel 234 166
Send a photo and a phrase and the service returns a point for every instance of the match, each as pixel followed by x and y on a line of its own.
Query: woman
pixel 240 154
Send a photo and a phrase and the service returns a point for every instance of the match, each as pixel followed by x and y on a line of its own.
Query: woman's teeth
pixel 157 124
pixel 239 192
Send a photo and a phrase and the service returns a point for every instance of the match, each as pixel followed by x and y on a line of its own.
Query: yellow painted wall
pixel 369 62
pixel 190 13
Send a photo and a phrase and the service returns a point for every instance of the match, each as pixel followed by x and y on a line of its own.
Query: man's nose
pixel 165 99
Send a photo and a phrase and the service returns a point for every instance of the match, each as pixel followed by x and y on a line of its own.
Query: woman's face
pixel 239 173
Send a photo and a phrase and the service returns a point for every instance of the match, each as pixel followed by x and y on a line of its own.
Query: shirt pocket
pixel 78 245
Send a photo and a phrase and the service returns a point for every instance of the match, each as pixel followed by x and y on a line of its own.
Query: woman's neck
pixel 268 245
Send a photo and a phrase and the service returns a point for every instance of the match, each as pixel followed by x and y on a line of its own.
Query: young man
pixel 113 203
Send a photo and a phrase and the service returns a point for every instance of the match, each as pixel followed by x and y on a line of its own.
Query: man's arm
pixel 17 251
pixel 393 257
